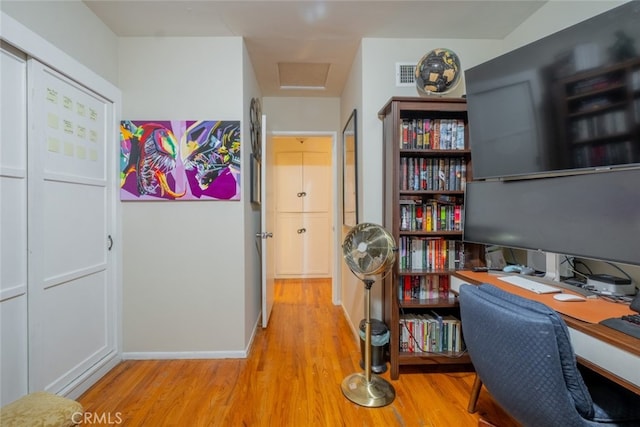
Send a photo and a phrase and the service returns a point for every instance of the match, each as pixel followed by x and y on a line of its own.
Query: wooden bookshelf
pixel 427 163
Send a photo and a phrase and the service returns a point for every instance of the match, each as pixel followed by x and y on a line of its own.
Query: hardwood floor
pixel 292 377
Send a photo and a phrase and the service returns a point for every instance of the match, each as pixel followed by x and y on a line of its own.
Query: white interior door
pixel 72 299
pixel 267 225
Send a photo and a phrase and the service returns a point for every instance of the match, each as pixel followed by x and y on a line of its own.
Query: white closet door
pixel 304 240
pixel 316 181
pixel 71 291
pixel 13 223
pixel 288 182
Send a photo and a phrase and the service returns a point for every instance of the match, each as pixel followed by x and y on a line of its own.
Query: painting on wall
pixel 179 160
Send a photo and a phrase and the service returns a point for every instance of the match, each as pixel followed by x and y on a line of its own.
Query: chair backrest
pixel 522 353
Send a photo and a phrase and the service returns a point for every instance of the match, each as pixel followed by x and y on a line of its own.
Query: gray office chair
pixel 522 354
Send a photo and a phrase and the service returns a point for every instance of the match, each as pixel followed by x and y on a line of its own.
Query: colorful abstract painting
pixel 179 160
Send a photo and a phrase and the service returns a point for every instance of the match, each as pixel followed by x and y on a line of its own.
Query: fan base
pixel 374 394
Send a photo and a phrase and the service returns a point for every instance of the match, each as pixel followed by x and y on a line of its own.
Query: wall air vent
pixel 405 74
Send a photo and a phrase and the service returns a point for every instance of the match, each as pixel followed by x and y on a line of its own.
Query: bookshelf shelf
pixel 429 303
pixel 427 163
pixel 448 358
pixel 422 272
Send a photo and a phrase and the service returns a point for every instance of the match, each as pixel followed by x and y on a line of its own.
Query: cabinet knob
pixel 302 230
pixel 302 194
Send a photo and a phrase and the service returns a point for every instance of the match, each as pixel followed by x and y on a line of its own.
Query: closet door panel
pixel 316 181
pixel 304 245
pixel 74 332
pixel 289 251
pixel 74 234
pixel 13 238
pixel 288 182
pixel 315 245
pixel 13 344
pixel 13 225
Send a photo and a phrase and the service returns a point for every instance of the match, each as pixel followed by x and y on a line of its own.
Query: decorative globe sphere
pixel 437 72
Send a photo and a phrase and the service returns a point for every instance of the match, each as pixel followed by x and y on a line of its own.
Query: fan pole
pixel 367 389
pixel 367 329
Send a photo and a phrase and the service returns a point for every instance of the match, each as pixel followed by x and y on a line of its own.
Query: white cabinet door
pixel 304 242
pixel 288 182
pixel 316 181
pixel 303 181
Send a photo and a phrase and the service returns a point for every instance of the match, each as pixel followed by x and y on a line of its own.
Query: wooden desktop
pixel 600 348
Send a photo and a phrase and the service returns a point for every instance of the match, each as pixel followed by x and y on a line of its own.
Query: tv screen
pixel 592 215
pixel 565 103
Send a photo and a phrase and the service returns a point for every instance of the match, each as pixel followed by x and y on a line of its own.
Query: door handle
pixel 264 235
pixel 302 194
pixel 110 240
pixel 302 230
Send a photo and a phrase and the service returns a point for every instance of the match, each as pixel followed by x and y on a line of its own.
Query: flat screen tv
pixel 594 215
pixel 568 102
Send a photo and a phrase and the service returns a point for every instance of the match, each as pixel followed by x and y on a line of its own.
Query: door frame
pixel 336 214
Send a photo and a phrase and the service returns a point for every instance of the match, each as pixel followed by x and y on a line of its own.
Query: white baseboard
pixel 165 355
pixel 354 331
pixel 76 388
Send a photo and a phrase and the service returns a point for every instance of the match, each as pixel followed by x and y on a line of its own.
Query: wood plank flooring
pixel 292 377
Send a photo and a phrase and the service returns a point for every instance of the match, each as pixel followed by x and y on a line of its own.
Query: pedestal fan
pixel 368 250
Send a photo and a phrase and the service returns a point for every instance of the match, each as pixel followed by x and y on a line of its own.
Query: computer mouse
pixel 568 297
pixel 512 269
pixel 528 271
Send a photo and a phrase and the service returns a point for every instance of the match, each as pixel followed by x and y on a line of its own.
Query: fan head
pixel 368 250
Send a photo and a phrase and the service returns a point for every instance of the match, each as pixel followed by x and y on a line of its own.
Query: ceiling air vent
pixel 405 74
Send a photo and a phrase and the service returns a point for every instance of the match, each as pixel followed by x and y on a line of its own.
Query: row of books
pixel 603 154
pixel 431 215
pixel 430 333
pixel 597 83
pixel 439 174
pixel 429 254
pixel 600 125
pixel 432 134
pixel 416 288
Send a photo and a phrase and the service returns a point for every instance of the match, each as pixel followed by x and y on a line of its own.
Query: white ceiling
pixel 307 32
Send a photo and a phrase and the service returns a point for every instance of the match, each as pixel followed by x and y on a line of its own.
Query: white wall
pixel 294 114
pixel 73 28
pixel 184 262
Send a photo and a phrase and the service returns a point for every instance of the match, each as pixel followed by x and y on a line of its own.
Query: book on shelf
pixel 435 174
pixel 421 253
pixel 423 288
pixel 430 333
pixel 431 216
pixel 432 134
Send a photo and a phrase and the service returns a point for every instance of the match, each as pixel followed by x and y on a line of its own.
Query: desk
pixel 611 353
